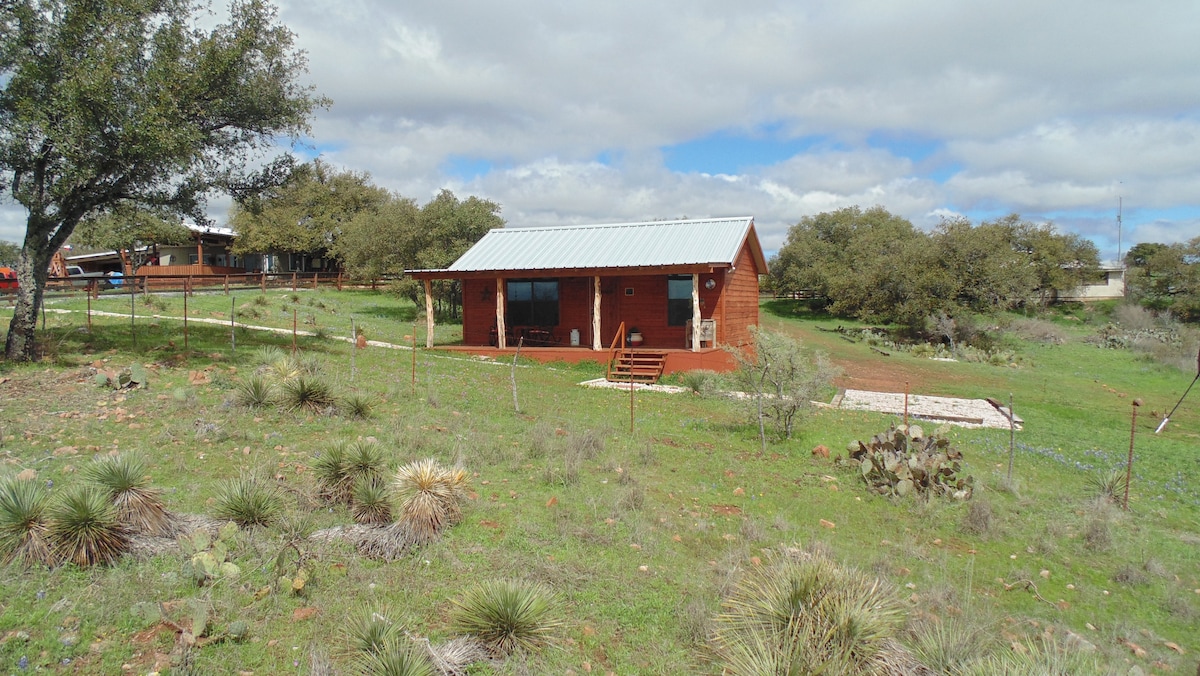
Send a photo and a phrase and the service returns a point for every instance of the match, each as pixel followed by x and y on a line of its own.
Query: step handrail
pixel 612 349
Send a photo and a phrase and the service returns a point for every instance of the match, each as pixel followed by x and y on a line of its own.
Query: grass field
pixel 640 534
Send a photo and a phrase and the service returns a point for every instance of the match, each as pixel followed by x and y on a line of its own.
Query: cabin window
pixel 679 300
pixel 532 302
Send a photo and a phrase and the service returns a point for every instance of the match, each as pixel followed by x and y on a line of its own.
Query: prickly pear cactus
pixel 207 559
pixel 904 460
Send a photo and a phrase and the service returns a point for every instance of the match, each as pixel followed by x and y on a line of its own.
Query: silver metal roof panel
pixel 612 245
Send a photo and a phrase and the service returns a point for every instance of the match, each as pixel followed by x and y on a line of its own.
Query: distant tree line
pixel 1165 277
pixel 876 266
pixel 370 231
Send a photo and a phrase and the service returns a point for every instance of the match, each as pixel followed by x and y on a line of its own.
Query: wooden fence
pixel 190 283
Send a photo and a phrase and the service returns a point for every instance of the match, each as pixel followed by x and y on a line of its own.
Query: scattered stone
pixel 1045 574
pixel 27 474
pixel 828 524
pixel 739 491
pixel 820 452
pixel 1175 647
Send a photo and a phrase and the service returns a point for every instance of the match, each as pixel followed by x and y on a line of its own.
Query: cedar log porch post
pixel 695 312
pixel 501 303
pixel 428 312
pixel 596 344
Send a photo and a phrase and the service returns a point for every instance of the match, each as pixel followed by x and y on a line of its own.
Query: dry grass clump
pixel 801 613
pixel 430 497
pixel 139 507
pixel 1039 331
pixel 979 517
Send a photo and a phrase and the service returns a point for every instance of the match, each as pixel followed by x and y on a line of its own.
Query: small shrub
pixel 268 355
pixel 1039 331
pixel 139 507
pixel 1133 317
pixel 24 536
pixel 1110 485
pixel 372 502
pixel 84 527
pixel 950 645
pixel 371 632
pixel 801 611
pixel 333 477
pixel 978 519
pixel 365 460
pixel 261 300
pixel 303 392
pixel 249 500
pixel 430 497
pixel 508 615
pixel 254 392
pixel 358 406
pixel 397 660
pixel 699 382
pixel 1097 535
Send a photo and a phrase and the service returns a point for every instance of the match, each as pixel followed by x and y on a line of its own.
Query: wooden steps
pixel 640 366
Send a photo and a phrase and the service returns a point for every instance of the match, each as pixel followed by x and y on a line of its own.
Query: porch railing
pixel 613 349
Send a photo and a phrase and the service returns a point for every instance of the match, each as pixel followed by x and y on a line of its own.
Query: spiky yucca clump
pixel 358 406
pixel 372 632
pixel 139 507
pixel 254 392
pixel 333 477
pixel 268 354
pixel 372 502
pixel 802 611
pixel 396 661
pixel 951 645
pixel 24 537
pixel 1109 485
pixel 84 527
pixel 282 368
pixel 365 460
pixel 508 615
pixel 430 497
pixel 249 500
pixel 307 392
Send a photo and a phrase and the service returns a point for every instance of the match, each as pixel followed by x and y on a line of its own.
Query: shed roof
pixel 648 244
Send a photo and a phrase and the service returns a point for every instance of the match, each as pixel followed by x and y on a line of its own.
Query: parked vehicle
pixel 80 279
pixel 8 278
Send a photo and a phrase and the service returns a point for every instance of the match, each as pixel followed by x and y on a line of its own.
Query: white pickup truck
pixel 80 279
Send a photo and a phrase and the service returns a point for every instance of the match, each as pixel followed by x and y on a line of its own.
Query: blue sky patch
pixel 466 168
pixel 730 153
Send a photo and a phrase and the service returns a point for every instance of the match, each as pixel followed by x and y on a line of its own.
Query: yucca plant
pixel 139 507
pixel 307 392
pixel 951 645
pixel 372 502
pixel 249 500
pixel 268 354
pixel 372 632
pixel 429 496
pixel 357 406
pixel 396 661
pixel 283 367
pixel 365 459
pixel 254 391
pixel 804 611
pixel 24 537
pixel 84 527
pixel 508 615
pixel 333 478
pixel 1109 485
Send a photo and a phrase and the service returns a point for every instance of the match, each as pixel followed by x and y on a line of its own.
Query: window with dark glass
pixel 679 300
pixel 532 302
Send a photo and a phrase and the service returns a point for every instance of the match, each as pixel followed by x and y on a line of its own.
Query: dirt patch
pixel 726 510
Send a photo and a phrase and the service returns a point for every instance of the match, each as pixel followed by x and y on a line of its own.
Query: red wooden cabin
pixel 571 292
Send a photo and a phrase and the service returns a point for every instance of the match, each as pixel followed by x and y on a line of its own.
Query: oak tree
pixel 106 105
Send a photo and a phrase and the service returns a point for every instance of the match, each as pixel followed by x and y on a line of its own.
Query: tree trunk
pixel 33 269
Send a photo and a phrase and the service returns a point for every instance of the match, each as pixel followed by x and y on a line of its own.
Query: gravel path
pixel 962 412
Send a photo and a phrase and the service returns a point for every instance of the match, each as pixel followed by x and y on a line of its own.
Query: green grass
pixel 653 528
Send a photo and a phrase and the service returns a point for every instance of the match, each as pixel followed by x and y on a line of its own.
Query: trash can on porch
pixel 574 337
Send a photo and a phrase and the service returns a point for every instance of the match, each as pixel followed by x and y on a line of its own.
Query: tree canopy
pixel 1166 277
pixel 111 105
pixel 876 266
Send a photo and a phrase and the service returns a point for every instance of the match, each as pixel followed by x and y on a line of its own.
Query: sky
pixel 598 112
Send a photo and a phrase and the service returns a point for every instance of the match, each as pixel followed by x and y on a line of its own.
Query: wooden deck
pixel 711 359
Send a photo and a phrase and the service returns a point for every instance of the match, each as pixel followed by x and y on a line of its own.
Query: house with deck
pixel 652 297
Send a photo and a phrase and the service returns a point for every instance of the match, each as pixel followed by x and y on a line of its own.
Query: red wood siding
pixel 740 302
pixel 479 310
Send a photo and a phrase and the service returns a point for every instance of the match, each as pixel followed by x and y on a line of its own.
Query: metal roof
pixel 613 245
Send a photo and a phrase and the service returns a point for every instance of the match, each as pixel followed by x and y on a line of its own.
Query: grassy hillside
pixel 640 534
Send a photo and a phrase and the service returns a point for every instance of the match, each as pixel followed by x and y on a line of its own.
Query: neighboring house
pixel 209 254
pixel 1109 284
pixel 570 288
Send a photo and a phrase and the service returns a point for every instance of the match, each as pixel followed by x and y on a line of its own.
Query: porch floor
pixel 710 358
